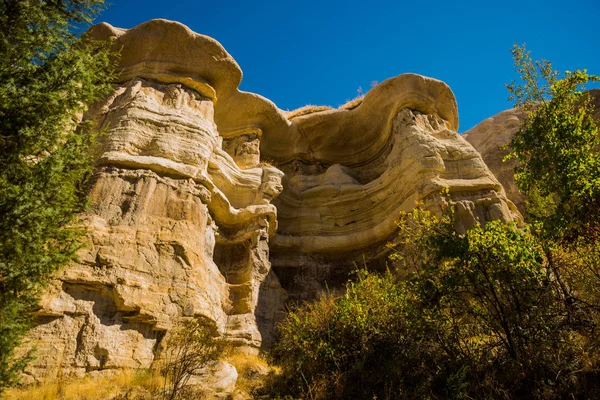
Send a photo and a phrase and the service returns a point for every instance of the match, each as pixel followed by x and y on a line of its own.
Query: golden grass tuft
pixel 352 104
pixel 139 384
pixel 131 384
pixel 252 370
pixel 309 109
pixel 267 162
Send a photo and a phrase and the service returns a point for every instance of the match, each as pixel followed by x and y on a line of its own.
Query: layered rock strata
pixel 364 165
pixel 178 227
pixel 187 217
pixel 490 138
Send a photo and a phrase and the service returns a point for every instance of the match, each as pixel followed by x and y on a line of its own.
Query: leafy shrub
pixel 491 305
pixel 355 346
pixel 473 316
pixel 557 147
pixel 190 346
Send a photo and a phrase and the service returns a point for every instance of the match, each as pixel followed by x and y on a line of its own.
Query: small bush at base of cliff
pixel 478 316
pixel 190 346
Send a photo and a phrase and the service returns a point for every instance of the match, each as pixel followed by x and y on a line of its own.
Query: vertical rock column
pixel 150 237
pixel 160 213
pixel 242 250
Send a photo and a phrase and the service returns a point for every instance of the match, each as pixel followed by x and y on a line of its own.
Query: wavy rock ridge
pixel 188 220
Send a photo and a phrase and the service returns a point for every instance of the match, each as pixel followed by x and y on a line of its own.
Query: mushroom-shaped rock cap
pixel 169 51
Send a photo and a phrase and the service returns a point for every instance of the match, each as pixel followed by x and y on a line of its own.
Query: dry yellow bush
pixel 252 370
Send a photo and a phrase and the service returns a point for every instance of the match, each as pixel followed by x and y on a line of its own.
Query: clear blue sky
pixel 320 52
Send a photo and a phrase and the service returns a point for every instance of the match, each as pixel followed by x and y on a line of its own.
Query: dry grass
pixel 139 385
pixel 123 385
pixel 267 162
pixel 352 104
pixel 309 109
pixel 252 371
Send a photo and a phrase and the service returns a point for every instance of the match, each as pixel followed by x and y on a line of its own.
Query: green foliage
pixel 356 346
pixel 47 78
pixel 557 147
pixel 188 348
pixel 501 312
pixel 474 316
pixel 496 312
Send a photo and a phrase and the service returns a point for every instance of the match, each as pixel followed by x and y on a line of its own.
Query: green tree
pixel 478 315
pixel 48 75
pixel 487 300
pixel 557 147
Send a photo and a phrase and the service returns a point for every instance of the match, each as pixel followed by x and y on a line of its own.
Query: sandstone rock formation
pixel 491 138
pixel 176 227
pixel 362 167
pixel 187 217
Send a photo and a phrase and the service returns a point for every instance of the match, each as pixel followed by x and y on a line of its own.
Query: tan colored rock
pixel 335 217
pixel 491 138
pixel 334 207
pixel 215 381
pixel 186 216
pixel 176 228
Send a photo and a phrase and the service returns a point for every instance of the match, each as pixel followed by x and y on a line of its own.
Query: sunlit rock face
pixel 361 167
pixel 177 227
pixel 491 138
pixel 207 200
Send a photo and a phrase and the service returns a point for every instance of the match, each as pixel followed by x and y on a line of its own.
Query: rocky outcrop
pixel 491 138
pixel 361 168
pixel 187 218
pixel 177 228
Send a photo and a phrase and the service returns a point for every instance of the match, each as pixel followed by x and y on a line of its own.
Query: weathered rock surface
pixel 176 228
pixel 491 138
pixel 216 380
pixel 365 165
pixel 187 218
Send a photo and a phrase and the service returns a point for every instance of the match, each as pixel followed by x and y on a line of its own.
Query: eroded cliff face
pixel 362 168
pixel 187 219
